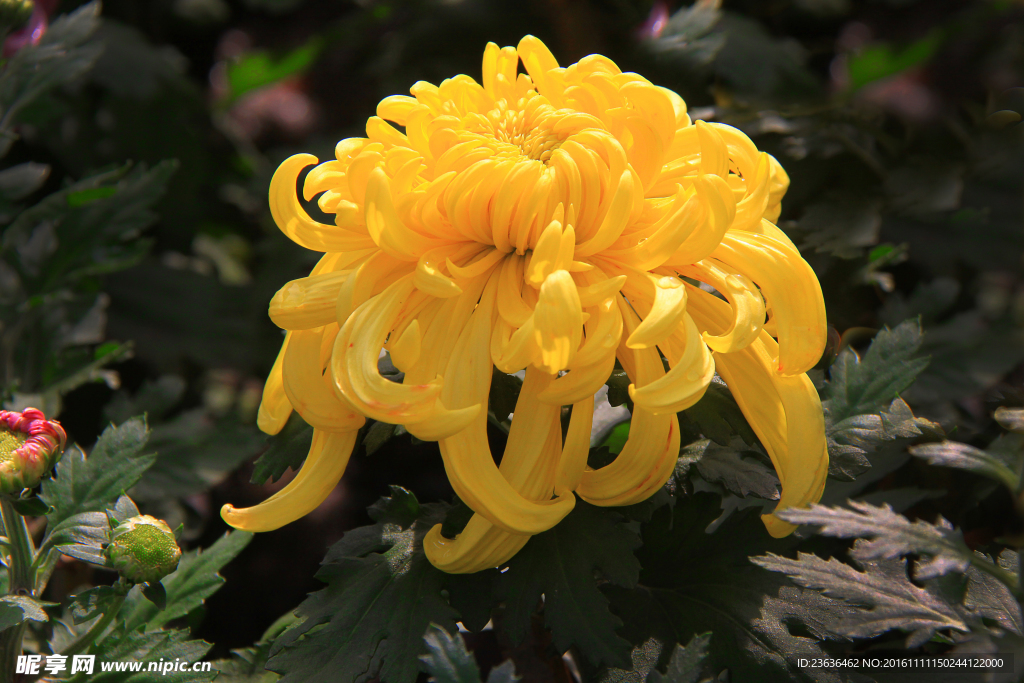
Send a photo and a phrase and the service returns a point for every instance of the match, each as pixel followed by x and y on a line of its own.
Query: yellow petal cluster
pixel 551 221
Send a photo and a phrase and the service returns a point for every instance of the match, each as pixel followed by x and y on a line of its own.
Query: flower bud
pixel 143 549
pixel 15 13
pixel 30 445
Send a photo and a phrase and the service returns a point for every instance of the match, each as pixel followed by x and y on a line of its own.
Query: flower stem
pixel 22 582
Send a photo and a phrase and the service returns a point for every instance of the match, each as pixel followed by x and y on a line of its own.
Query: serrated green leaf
pixel 16 609
pixel 964 457
pixel 686 663
pixel 138 646
pixel 560 564
pixel 726 466
pixel 447 659
pixel 194 580
pixel 693 582
pixel 891 535
pixel 863 386
pixel 90 484
pixel 644 657
pixel 288 449
pixel 472 595
pixel 89 604
pixel 895 603
pixel 861 406
pixel 989 598
pixel 381 596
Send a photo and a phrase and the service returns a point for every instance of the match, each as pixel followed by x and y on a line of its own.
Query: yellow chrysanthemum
pixel 551 221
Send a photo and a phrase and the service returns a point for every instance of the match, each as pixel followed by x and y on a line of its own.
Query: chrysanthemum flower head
pixel 551 221
pixel 30 445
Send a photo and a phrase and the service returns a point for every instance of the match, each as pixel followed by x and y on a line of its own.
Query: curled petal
pixel 577 445
pixel 716 195
pixel 481 545
pixel 649 456
pixel 784 412
pixel 308 390
pixel 307 302
pixel 558 321
pixel 275 408
pixel 685 383
pixel 745 299
pixel 326 462
pixel 291 218
pixel 384 225
pixel 792 290
pixel 528 467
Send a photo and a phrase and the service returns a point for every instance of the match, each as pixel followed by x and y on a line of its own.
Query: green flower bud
pixel 15 13
pixel 30 445
pixel 143 549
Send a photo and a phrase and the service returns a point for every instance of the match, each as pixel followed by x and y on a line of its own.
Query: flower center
pixel 526 131
pixel 10 442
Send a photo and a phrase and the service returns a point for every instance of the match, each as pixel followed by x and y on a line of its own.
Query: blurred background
pixel 897 120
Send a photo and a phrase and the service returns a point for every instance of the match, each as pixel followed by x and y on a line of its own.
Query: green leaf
pixel 194 580
pixel 62 55
pixel 258 69
pixel 849 439
pixel 560 564
pixel 644 657
pixel 377 435
pixel 89 604
pixel 248 665
pixel 92 235
pixel 693 582
pixel 156 594
pixel 875 62
pixel 842 226
pixel 30 507
pixel 861 405
pixel 16 609
pixel 883 586
pixel 17 182
pixel 92 484
pixel 989 598
pixel 137 646
pixel 726 466
pixel 686 663
pixel 447 659
pixel 891 535
pixel 288 449
pixel 861 386
pixel 719 418
pixel 986 463
pixel 381 596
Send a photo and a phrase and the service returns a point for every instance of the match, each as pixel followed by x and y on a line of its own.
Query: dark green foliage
pixel 381 596
pixel 560 564
pixel 288 449
pixel 84 484
pixel 448 661
pixel 692 582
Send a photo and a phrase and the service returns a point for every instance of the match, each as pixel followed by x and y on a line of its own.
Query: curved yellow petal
pixel 790 287
pixel 292 219
pixel 558 321
pixel 275 408
pixel 326 462
pixel 745 299
pixel 784 412
pixel 687 380
pixel 307 302
pixel 308 390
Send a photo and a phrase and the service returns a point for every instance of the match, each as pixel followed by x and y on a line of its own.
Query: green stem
pixel 22 582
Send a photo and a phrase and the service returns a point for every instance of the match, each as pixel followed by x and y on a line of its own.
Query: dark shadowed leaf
pixel 560 564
